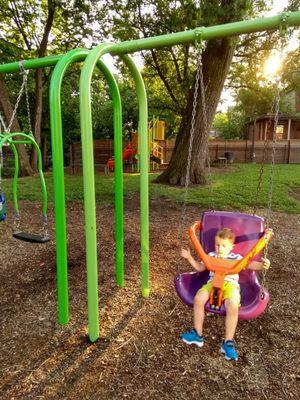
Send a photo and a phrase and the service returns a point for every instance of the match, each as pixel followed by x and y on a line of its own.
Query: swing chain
pixel 25 73
pixel 264 158
pixel 274 139
pixel 194 110
pixel 23 86
pixel 272 173
pixel 45 226
pixel 205 138
pixel 3 124
pixel 283 36
pixel 199 47
pixel 199 82
pixel 284 33
pixel 17 222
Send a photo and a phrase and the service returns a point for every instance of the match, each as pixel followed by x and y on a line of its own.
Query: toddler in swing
pixel 224 244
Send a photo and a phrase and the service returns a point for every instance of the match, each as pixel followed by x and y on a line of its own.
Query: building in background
pixel 288 127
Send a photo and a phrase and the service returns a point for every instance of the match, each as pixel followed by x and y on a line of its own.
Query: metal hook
pixel 198 38
pixel 23 71
pixel 284 23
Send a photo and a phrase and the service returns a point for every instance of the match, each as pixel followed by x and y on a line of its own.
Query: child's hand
pixel 185 253
pixel 265 263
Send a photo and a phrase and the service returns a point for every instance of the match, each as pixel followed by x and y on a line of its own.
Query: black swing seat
pixel 31 237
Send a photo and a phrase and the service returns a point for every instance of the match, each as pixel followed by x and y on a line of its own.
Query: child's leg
pixel 232 302
pixel 199 302
pixel 232 311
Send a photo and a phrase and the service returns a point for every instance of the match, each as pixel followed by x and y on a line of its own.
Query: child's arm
pixel 259 265
pixel 198 266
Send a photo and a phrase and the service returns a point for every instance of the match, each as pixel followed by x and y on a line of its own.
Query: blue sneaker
pixel 192 337
pixel 229 351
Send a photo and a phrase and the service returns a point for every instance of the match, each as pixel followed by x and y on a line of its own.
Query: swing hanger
pixel 198 38
pixel 284 23
pixel 22 69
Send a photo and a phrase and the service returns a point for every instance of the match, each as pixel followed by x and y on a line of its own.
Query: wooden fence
pixel 103 150
pixel 243 151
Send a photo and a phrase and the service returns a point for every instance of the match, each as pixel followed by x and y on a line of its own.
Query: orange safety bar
pixel 222 266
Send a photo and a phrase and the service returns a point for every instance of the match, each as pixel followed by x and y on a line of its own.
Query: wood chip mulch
pixel 139 355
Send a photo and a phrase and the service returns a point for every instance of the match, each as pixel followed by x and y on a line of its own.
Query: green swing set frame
pixel 92 58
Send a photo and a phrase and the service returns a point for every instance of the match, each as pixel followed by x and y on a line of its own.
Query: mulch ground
pixel 139 354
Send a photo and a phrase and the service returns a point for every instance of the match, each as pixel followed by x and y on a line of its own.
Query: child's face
pixel 223 246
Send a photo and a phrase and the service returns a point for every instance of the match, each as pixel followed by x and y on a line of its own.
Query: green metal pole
pixel 58 176
pixel 15 180
pixel 88 176
pixel 207 33
pixel 144 177
pixel 58 179
pixel 21 142
pixel 31 64
pixel 118 170
pixel 89 189
pixel 16 175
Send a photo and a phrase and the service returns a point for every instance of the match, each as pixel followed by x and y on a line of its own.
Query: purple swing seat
pixel 248 229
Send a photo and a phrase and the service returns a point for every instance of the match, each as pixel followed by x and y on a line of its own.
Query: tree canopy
pixel 34 28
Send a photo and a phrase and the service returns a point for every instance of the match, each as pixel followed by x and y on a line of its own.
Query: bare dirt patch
pixel 296 193
pixel 139 354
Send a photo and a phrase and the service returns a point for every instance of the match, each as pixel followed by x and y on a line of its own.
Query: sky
pixel 278 6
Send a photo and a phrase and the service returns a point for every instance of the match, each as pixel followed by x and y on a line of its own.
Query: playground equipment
pixel 156 133
pixel 92 58
pixel 11 139
pixel 129 153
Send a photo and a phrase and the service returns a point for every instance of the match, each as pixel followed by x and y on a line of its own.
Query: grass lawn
pixel 235 189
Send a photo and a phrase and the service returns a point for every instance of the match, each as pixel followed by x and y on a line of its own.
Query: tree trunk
pixel 216 60
pixel 25 168
pixel 37 116
pixel 39 84
pixel 44 154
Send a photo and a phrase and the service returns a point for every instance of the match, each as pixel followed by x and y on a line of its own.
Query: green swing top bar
pixel 207 33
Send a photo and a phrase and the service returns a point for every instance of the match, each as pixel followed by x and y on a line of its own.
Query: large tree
pixel 29 28
pixel 176 66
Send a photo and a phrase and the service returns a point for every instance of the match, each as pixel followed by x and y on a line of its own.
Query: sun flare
pixel 272 65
